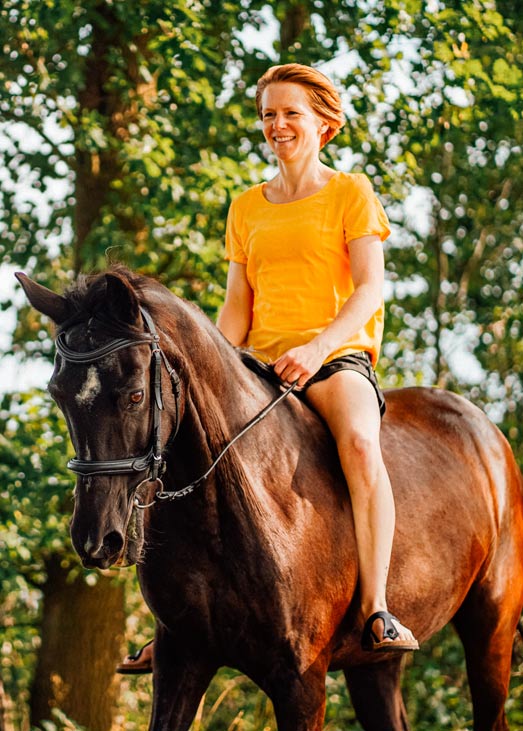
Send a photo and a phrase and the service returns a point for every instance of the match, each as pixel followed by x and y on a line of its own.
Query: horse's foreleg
pixel 376 695
pixel 180 679
pixel 299 700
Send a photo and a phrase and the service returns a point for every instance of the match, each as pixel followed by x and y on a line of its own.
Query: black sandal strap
pixel 389 630
pixel 137 655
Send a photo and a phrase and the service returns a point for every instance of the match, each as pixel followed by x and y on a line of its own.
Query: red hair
pixel 322 94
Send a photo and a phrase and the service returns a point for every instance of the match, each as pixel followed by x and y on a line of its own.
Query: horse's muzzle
pixel 120 544
pixel 102 554
pixel 106 528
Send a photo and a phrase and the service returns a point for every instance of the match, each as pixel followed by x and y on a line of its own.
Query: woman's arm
pixel 368 271
pixel 367 267
pixel 234 320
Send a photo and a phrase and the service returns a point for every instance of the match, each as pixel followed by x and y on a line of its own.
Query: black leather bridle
pixel 153 459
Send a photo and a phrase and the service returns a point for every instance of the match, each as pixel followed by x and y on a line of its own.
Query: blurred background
pixel 126 128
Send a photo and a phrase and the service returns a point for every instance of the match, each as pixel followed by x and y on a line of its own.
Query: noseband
pixel 153 459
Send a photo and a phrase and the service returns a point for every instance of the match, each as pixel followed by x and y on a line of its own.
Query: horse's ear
pixel 122 302
pixel 44 300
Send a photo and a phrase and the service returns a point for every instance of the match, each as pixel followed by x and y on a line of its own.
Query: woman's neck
pixel 298 180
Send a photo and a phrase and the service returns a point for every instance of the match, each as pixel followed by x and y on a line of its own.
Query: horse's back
pixel 459 503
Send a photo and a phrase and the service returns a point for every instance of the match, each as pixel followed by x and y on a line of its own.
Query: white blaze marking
pixel 90 389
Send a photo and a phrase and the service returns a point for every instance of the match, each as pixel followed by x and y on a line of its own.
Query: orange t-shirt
pixel 298 264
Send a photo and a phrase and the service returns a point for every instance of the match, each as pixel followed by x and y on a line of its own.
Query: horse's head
pixel 107 382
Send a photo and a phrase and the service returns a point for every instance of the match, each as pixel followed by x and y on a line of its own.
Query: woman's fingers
pixel 289 371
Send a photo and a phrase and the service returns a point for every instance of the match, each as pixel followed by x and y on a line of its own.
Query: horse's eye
pixel 136 397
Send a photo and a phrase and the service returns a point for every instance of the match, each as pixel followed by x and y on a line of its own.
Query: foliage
pixel 133 125
pixel 35 501
pixel 454 132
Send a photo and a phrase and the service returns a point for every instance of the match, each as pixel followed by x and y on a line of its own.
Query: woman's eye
pixel 136 397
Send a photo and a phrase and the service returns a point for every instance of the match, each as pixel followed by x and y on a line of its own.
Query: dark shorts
pixel 359 362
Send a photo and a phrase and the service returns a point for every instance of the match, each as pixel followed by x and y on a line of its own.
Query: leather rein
pixel 153 460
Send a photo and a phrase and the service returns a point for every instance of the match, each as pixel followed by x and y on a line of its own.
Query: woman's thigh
pixel 347 402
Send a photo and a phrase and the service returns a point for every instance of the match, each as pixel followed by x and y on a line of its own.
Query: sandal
pixel 140 662
pixel 390 643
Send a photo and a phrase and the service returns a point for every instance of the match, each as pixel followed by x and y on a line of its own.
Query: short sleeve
pixel 364 215
pixel 234 250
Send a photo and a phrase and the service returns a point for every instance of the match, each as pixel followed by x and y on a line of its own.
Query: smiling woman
pixel 304 292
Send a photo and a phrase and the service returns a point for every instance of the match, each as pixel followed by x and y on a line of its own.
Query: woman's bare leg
pixel 347 402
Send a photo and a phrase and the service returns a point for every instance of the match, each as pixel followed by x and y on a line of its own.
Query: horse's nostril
pixel 113 543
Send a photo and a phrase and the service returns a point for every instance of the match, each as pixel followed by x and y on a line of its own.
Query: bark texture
pixel 82 633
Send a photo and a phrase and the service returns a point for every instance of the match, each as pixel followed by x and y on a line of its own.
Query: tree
pixel 451 131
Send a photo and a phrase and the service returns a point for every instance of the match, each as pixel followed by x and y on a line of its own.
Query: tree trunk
pixel 295 21
pixel 99 167
pixel 82 632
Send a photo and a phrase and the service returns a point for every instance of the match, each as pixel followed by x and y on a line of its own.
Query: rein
pixel 153 459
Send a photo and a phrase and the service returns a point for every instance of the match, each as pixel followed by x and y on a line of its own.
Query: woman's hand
pixel 300 363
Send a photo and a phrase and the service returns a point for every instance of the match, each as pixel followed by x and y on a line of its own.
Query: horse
pixel 252 564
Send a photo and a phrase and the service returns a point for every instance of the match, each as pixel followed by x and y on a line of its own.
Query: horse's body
pixel 257 568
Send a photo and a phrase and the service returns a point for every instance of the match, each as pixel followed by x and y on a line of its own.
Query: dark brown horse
pixel 256 568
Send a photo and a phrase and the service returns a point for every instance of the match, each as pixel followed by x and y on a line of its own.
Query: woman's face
pixel 291 127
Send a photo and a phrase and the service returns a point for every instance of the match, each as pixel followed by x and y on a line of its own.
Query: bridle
pixel 153 459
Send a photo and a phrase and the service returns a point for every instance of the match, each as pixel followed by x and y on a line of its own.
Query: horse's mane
pixel 87 297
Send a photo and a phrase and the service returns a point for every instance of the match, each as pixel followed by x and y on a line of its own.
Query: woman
pixel 304 292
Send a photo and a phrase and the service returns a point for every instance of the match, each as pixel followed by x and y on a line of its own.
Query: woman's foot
pixel 383 632
pixel 140 662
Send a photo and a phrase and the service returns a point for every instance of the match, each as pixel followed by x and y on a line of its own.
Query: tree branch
pixel 475 260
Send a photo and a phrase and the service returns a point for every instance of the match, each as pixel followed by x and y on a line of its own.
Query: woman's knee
pixel 360 445
pixel 360 455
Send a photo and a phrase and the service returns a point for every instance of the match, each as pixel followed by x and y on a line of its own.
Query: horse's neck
pixel 221 396
pixel 222 514
pixel 222 388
